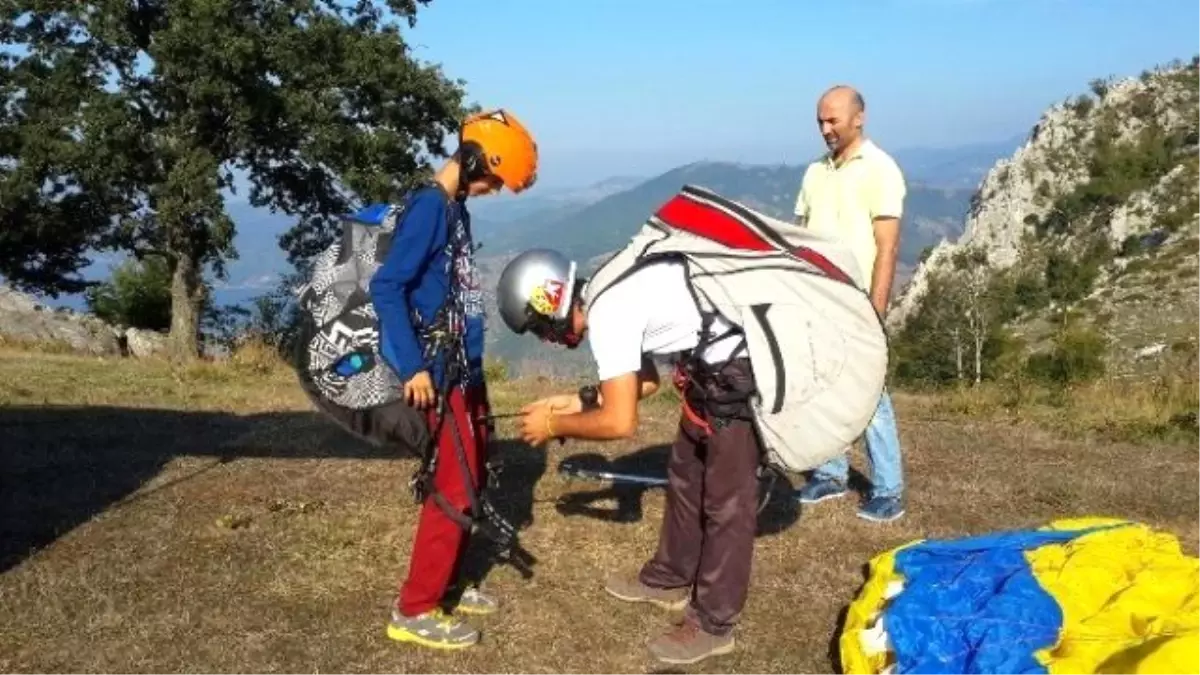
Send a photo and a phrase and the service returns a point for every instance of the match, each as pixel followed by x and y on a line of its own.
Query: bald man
pixel 855 194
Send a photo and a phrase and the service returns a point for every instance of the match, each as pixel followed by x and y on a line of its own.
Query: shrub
pixel 137 294
pixel 1076 356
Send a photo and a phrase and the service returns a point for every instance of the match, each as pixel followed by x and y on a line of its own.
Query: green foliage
pixel 271 320
pixel 1117 170
pixel 1077 355
pixel 925 253
pixel 1043 190
pixel 936 346
pixel 316 103
pixel 1142 105
pixel 1131 246
pixel 137 295
pixel 1083 105
pixel 1029 292
pixel 1070 276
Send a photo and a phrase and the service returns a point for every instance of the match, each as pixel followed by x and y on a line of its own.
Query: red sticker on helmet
pixel 547 298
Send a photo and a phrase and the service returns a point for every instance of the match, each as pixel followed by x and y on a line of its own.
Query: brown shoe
pixel 687 643
pixel 631 589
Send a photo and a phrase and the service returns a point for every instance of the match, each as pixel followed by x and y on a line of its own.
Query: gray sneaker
pixel 631 589
pixel 434 629
pixel 475 601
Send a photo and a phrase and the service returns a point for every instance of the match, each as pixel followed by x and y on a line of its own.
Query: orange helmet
pixel 501 144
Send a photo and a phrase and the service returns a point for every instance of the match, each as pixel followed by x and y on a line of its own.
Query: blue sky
pixel 615 87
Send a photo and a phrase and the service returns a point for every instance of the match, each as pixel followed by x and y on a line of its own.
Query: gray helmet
pixel 536 289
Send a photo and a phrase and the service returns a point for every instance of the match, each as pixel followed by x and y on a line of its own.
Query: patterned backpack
pixel 342 357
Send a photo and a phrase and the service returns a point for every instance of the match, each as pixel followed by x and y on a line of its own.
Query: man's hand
pixel 536 424
pixel 418 391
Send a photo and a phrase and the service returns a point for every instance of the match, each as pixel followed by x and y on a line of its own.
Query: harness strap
pixel 443 338
pixel 696 419
pixel 482 516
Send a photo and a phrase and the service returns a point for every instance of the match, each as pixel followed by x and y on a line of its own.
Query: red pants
pixel 440 542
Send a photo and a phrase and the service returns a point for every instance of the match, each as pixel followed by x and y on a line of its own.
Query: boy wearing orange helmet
pixel 430 311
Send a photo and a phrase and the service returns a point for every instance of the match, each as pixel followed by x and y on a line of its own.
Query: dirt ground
pixel 208 521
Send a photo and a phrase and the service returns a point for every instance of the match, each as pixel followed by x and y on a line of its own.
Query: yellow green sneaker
pixel 434 629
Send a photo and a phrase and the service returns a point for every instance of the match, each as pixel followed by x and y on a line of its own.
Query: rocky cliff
pixel 25 321
pixel 1096 210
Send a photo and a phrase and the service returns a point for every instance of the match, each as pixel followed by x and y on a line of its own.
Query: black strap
pixel 701 373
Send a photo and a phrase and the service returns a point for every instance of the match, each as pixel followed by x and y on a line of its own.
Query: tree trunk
pixel 185 309
pixel 978 356
pixel 958 352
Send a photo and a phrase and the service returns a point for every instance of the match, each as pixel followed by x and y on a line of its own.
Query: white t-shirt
pixel 651 311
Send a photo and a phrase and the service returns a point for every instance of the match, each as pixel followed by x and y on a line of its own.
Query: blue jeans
pixel 883 449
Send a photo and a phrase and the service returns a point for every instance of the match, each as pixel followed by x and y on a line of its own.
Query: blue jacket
pixel 415 276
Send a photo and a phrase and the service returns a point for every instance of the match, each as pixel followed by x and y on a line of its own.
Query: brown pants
pixel 707 536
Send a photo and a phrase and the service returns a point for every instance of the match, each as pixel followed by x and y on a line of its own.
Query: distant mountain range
pixel 590 232
pixel 606 224
pixel 590 221
pixel 938 178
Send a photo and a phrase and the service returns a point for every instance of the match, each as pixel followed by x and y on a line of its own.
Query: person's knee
pixel 735 498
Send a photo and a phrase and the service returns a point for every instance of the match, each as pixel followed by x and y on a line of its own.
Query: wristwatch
pixel 589 396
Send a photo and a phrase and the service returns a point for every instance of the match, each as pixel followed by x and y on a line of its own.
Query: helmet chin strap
pixel 558 331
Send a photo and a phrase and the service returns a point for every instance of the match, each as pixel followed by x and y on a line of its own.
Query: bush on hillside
pixel 1077 355
pixel 137 295
pixel 1117 169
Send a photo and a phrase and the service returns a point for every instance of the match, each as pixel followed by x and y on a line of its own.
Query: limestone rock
pixel 143 343
pixel 1020 191
pixel 23 319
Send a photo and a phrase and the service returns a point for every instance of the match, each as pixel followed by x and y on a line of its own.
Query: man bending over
pixel 707 536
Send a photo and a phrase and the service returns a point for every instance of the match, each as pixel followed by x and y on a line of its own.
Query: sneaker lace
pixel 684 631
pixel 441 619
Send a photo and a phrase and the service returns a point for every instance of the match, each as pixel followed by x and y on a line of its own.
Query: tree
pixel 123 123
pixel 957 332
pixel 974 279
pixel 931 346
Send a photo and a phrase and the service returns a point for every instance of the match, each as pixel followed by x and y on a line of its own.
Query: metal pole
pixel 613 476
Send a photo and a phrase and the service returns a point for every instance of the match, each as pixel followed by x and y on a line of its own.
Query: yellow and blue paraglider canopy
pixel 1077 596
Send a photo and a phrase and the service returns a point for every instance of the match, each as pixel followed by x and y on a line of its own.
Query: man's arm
pixel 886 212
pixel 615 417
pixel 413 243
pixel 887 247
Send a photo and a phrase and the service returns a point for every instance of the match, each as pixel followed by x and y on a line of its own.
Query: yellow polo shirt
pixel 841 202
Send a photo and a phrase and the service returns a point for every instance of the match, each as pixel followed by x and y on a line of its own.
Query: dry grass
pixel 1157 408
pixel 205 520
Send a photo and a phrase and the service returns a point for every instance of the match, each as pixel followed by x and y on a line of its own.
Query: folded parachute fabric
pixel 1088 595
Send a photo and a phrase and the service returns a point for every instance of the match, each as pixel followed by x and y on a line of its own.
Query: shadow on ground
pixel 62 466
pixel 779 513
